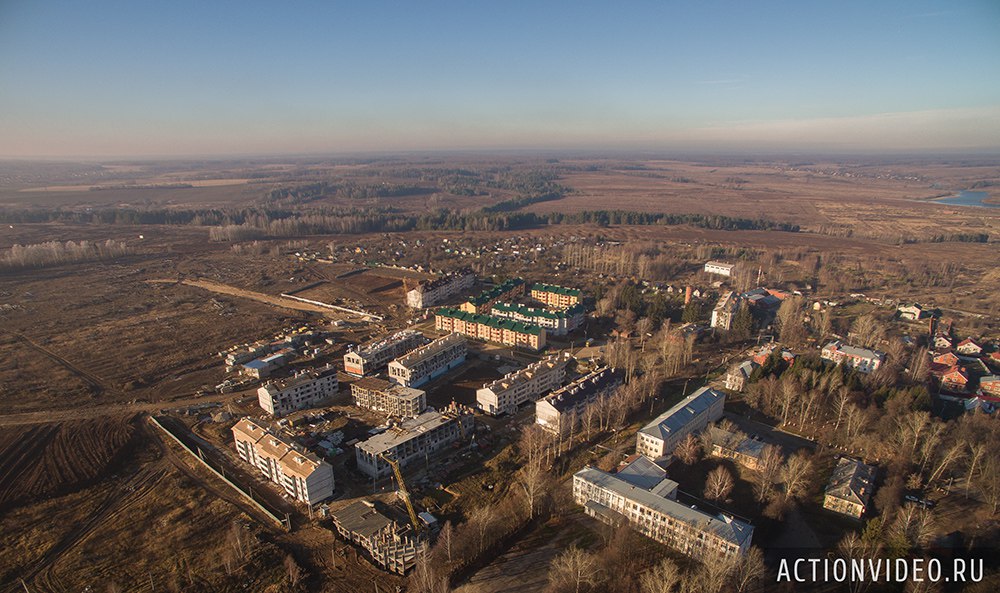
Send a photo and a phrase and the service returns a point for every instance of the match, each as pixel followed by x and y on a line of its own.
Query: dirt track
pixel 246 294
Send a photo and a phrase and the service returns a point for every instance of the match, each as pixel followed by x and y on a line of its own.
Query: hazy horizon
pixel 110 80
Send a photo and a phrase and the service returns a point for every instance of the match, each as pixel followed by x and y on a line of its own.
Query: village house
pixel 990 385
pixel 969 347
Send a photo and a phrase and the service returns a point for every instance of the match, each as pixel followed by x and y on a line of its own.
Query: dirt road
pixel 247 294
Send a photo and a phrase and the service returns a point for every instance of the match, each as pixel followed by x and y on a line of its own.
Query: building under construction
pixel 413 440
pixel 392 544
pixel 373 357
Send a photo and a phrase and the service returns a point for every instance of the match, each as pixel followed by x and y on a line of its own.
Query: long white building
pixel 693 413
pixel 413 440
pixel 391 399
pixel 303 476
pixel 304 390
pixel 428 361
pixel 371 358
pixel 642 497
pixel 506 394
pixel 722 269
pixel 562 410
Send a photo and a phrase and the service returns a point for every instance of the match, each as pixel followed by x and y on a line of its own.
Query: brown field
pixel 45 459
pixel 88 498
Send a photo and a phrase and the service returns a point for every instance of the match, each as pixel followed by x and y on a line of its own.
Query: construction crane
pixel 403 492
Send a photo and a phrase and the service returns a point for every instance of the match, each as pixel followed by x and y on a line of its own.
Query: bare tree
pixel 534 482
pixel 867 330
pixel 446 538
pixel 482 518
pixel 795 474
pixel 575 569
pixel 664 577
pixel 750 570
pixel 770 470
pixel 719 484
pixel 293 570
pixel 688 450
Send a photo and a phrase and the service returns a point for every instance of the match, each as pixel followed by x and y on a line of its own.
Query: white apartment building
pixel 863 360
pixel 640 496
pixel 391 399
pixel 563 409
pixel 305 477
pixel 434 292
pixel 725 310
pixel 693 413
pixel 373 357
pixel 413 440
pixel 304 390
pixel 431 360
pixel 722 269
pixel 506 394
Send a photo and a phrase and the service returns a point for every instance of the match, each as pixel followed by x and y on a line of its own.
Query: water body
pixel 968 198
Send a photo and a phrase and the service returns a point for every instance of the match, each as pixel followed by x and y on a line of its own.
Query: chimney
pixel 687 294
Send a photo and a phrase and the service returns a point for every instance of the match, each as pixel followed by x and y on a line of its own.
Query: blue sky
pixel 103 78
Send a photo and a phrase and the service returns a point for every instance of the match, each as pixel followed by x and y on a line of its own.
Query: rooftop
pixel 488 295
pixel 682 413
pixel 727 528
pixel 583 388
pixel 409 429
pixel 489 320
pixel 852 480
pixel 556 289
pixel 421 353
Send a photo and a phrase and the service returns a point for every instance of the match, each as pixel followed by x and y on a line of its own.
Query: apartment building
pixel 690 415
pixel 645 500
pixel 428 361
pixel 725 311
pixel 413 440
pixel 305 477
pixel 558 323
pixel 508 290
pixel 491 329
pixel 863 360
pixel 850 488
pixel 304 390
pixel 563 409
pixel 719 268
pixel 391 399
pixel 506 394
pixel 373 357
pixel 434 292
pixel 557 297
pixel 390 543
